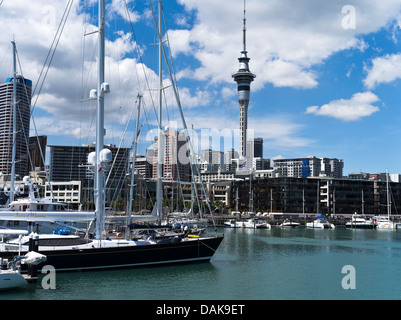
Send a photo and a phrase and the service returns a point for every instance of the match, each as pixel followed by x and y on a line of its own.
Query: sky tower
pixel 243 78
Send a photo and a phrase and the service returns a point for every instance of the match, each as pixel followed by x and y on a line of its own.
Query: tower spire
pixel 243 78
pixel 244 30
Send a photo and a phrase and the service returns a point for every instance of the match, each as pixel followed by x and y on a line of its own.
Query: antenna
pixel 244 38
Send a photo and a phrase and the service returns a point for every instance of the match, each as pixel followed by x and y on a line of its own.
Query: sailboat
pixel 67 252
pixel 384 222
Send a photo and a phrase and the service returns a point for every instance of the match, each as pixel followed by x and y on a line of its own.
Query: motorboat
pixel 249 224
pixel 289 224
pixel 320 223
pixel 384 223
pixel 10 271
pixel 233 223
pixel 11 279
pixel 359 221
pixel 256 224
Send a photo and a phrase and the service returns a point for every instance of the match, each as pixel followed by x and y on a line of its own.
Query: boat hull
pixel 127 256
pixel 360 226
pixel 11 279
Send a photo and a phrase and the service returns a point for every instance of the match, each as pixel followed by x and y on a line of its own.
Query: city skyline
pixel 327 74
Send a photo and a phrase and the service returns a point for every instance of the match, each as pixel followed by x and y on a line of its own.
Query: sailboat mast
pixel 160 135
pixel 12 187
pixel 131 189
pixel 388 197
pixel 99 175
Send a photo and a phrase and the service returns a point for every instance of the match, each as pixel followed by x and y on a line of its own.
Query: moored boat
pixel 66 252
pixel 289 224
pixel 359 221
pixel 320 223
pixel 384 223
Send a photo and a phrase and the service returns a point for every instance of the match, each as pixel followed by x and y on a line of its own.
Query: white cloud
pixel 384 69
pixel 119 7
pixel 288 74
pixel 359 106
pixel 285 39
pixel 201 98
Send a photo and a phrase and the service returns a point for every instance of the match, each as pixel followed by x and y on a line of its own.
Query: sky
pixel 328 73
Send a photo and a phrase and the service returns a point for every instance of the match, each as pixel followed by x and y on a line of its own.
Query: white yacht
pixel 256 224
pixel 359 221
pixel 10 271
pixel 11 279
pixel 233 223
pixel 384 223
pixel 289 224
pixel 320 223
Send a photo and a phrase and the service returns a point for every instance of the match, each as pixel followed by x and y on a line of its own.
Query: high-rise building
pixel 332 167
pixel 37 152
pixel 230 155
pixel 214 160
pixel 176 166
pixel 243 77
pixel 68 163
pixel 254 148
pixel 24 91
pixel 309 167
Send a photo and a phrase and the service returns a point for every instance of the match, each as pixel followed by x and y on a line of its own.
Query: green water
pixel 252 265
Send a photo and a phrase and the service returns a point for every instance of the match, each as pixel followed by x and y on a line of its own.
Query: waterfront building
pixel 309 167
pixel 216 176
pixel 69 163
pixel 358 176
pixel 65 192
pixel 24 91
pixel 318 196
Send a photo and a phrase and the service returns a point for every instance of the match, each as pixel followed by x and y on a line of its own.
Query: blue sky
pixel 328 72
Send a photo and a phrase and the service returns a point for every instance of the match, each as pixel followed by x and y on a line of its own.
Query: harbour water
pixel 294 264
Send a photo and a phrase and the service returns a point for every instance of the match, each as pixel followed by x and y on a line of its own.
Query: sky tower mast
pixel 243 78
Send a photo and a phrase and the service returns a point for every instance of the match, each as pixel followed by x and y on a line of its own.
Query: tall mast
pixel 131 190
pixel 12 187
pixel 160 148
pixel 99 175
pixel 388 197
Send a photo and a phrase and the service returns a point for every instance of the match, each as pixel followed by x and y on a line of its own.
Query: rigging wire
pixel 140 59
pixel 194 166
pixel 26 136
pixel 51 53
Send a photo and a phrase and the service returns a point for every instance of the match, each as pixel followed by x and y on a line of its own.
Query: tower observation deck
pixel 244 77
